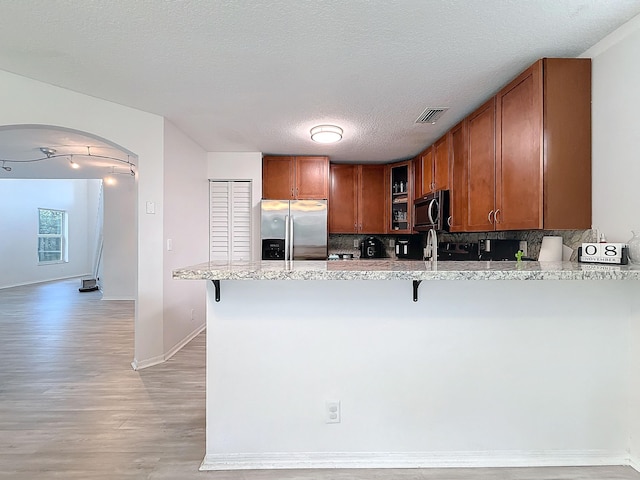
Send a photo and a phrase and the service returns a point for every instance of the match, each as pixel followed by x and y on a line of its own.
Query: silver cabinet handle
pixel 291 239
pixel 495 216
pixel 287 240
pixel 355 227
pixel 489 217
pixel 291 192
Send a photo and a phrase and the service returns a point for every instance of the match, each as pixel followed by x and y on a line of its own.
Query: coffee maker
pixel 371 247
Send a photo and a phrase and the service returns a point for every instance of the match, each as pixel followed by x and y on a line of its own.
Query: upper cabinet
pixel 528 153
pixel 458 195
pixel 441 164
pixel 543 148
pixel 432 168
pixel 302 178
pixel 357 199
pixel 400 190
pixel 480 169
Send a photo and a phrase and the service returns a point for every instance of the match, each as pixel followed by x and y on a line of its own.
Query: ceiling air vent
pixel 431 115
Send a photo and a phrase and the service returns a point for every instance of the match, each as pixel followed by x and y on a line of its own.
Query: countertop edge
pixel 393 270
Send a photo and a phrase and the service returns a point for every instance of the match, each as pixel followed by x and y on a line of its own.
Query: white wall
pixel 186 226
pixel 616 166
pixel 616 138
pixel 26 101
pixel 120 254
pixel 19 203
pixel 241 166
pixel 475 373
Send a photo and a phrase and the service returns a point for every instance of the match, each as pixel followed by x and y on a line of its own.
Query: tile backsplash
pixel 339 243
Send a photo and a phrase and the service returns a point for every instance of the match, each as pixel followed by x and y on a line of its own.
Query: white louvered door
pixel 230 221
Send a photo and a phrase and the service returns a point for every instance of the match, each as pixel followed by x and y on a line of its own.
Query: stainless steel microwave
pixel 432 212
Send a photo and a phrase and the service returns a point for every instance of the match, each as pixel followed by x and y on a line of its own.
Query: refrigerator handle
pixel 286 237
pixel 291 238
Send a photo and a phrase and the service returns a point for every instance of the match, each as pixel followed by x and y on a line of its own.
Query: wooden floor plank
pixel 72 408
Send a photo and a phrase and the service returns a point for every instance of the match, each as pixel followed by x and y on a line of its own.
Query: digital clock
pixel 611 253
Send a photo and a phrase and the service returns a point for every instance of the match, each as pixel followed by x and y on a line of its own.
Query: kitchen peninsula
pixel 474 373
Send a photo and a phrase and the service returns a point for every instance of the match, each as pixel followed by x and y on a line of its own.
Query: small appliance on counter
pixel 371 247
pixel 409 247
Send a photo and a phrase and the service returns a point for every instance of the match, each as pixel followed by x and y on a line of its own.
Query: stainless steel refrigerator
pixel 294 229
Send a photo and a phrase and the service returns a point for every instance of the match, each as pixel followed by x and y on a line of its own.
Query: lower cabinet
pixel 357 199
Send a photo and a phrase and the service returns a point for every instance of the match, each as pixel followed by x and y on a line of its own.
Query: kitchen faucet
pixel 431 249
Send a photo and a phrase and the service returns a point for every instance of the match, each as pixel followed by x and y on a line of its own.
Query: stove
pixel 458 251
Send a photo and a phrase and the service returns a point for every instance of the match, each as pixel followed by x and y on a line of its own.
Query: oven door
pixel 432 212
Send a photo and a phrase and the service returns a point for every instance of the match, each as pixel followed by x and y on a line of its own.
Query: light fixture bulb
pixel 48 151
pixel 73 164
pixel 326 134
pixel 109 180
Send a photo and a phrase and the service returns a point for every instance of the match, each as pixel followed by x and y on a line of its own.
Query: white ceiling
pixel 256 75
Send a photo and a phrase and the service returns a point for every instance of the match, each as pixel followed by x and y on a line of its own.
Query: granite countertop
pixel 405 270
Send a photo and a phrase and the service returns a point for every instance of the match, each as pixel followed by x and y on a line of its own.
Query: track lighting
pixel 51 153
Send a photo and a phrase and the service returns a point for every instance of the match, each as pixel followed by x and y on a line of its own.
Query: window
pixel 230 221
pixel 52 228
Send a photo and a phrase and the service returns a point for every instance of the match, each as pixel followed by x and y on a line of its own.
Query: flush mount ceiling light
pixel 326 134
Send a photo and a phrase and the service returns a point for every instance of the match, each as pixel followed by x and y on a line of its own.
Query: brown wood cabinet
pixel 432 168
pixel 480 171
pixel 458 177
pixel 295 177
pixel 357 200
pixel 529 153
pixel 543 147
pixel 426 167
pixel 400 191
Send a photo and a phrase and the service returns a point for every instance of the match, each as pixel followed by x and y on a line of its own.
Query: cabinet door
pixel 481 168
pixel 312 178
pixel 426 159
pixel 372 199
pixel 417 177
pixel 441 164
pixel 400 188
pixel 519 165
pixel 458 177
pixel 343 199
pixel 277 178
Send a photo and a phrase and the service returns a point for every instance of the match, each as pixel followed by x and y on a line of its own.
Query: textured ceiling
pixel 257 75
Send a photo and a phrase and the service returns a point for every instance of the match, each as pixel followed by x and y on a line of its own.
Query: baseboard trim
pixel 566 458
pixel 35 282
pixel 150 362
pixel 186 340
pixel 634 463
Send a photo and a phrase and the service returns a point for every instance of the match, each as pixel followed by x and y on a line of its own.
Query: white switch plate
pixel 151 208
pixel 169 244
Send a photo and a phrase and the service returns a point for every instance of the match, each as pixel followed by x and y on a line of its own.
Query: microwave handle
pixel 430 209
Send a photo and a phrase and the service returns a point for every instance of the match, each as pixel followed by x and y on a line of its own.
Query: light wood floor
pixel 72 408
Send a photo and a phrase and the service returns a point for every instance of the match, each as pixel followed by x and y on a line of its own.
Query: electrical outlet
pixel 332 412
pixel 523 247
pixel 356 244
pixel 193 315
pixel 392 242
